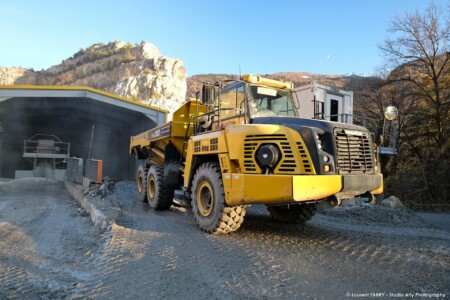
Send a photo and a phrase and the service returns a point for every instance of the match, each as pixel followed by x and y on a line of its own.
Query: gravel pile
pixel 376 215
pixel 123 187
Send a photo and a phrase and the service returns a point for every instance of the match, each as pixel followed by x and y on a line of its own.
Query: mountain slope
pixel 135 71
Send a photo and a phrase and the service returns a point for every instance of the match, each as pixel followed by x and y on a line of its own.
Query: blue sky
pixel 329 37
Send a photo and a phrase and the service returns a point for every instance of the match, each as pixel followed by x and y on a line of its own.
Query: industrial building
pixel 42 125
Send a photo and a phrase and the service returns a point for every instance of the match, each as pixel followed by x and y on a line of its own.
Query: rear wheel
pixel 292 214
pixel 141 178
pixel 159 195
pixel 208 202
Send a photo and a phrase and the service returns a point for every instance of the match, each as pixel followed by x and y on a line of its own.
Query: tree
pixel 419 47
pixel 372 100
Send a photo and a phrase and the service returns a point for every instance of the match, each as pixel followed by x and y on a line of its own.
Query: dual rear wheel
pixel 141 180
pixel 152 188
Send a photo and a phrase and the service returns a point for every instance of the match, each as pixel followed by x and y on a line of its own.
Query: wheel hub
pixel 205 199
pixel 140 183
pixel 151 187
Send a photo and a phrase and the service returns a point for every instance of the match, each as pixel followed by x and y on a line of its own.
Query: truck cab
pixel 242 101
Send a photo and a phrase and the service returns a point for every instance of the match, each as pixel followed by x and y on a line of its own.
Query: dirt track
pixel 46 246
pixel 149 254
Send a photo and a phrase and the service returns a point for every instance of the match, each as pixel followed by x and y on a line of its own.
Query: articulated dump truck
pixel 241 143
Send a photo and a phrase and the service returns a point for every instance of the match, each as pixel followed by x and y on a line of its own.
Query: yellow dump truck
pixel 241 143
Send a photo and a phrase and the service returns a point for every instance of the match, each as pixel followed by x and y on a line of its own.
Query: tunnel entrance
pixel 75 115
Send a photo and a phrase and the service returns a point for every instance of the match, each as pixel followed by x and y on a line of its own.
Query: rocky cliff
pixel 138 72
pixel 11 75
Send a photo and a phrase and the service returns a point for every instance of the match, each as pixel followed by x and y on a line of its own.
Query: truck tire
pixel 208 202
pixel 141 180
pixel 292 214
pixel 159 195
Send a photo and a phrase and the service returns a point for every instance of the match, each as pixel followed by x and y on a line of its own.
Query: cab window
pixel 232 102
pixel 270 102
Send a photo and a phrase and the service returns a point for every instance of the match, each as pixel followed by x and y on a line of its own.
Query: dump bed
pixel 174 132
pixel 145 138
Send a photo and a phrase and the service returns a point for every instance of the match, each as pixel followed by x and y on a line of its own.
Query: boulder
pixel 392 202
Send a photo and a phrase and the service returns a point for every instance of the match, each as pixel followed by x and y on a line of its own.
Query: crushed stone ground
pixel 46 246
pixel 148 254
pixel 366 215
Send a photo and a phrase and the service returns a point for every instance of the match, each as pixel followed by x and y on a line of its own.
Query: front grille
pixel 304 158
pixel 288 162
pixel 354 152
pixel 252 142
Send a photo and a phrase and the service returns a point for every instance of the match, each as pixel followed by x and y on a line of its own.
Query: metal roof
pixel 40 91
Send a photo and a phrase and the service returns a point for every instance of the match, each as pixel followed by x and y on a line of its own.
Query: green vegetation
pixel 126 55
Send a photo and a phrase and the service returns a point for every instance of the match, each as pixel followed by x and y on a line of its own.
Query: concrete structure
pixel 73 114
pixel 318 101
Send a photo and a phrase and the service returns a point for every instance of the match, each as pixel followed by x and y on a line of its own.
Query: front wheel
pixel 292 214
pixel 208 202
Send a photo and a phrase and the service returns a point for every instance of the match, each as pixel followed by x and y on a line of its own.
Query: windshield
pixel 270 102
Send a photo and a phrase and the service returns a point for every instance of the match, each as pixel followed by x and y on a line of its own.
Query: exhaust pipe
pixel 368 198
pixel 334 201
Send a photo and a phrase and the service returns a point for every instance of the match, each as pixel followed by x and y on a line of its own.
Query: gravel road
pixel 340 254
pixel 46 245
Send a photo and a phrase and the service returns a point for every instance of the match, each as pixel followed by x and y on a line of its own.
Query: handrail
pixel 44 135
pixel 46 147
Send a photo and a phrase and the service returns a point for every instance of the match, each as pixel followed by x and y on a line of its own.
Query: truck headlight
pixel 268 156
pixel 319 142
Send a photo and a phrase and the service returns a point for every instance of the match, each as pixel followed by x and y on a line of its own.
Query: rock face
pixel 10 75
pixel 138 72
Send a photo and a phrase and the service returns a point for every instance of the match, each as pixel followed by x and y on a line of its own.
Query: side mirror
pixel 205 121
pixel 391 113
pixel 208 94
